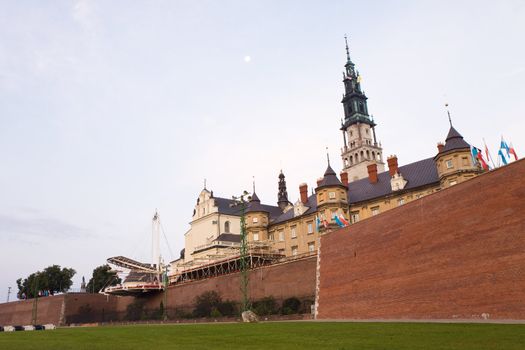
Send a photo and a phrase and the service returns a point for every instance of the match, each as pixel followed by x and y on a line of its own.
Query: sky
pixel 111 109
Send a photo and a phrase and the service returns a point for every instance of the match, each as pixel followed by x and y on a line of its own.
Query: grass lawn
pixel 273 336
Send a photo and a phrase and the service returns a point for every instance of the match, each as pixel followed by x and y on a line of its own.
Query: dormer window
pixel 449 164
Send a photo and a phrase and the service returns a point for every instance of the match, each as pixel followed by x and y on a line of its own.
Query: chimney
pixel 303 190
pixel 392 165
pixel 440 147
pixel 372 173
pixel 344 178
pixel 319 181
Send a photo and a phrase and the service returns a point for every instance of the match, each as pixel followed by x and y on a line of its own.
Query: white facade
pixel 207 224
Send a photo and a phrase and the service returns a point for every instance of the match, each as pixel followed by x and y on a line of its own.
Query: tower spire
pixel 282 194
pixel 327 156
pixel 448 112
pixel 347 50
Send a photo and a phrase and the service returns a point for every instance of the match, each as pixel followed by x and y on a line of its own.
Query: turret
pixel 257 219
pixel 332 197
pixel 454 161
pixel 282 195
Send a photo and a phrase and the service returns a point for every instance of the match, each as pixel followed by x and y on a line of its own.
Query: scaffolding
pixel 257 255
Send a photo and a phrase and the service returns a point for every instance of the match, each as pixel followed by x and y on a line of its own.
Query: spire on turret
pixel 282 195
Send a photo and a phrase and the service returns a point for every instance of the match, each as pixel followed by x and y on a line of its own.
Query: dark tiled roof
pixel 417 174
pixel 312 204
pixel 454 141
pixel 329 178
pixel 228 237
pixel 224 206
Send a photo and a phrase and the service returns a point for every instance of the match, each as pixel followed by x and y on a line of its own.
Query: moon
pixel 247 59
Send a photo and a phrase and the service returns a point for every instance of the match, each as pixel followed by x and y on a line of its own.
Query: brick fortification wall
pixel 65 309
pixel 458 253
pixel 293 279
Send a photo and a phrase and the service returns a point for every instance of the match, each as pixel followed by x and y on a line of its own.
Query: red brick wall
pixel 20 312
pixel 293 279
pixel 459 253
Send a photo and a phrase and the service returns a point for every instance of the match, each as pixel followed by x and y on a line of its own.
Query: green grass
pixel 274 336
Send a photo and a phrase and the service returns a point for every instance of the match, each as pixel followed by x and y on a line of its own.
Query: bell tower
pixel 360 146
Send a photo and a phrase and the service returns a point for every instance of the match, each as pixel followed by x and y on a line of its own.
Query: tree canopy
pixel 102 277
pixel 51 280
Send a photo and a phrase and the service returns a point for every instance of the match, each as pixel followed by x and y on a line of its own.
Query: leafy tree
pixel 52 279
pixel 102 277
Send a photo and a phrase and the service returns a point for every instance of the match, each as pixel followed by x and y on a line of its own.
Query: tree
pixel 52 279
pixel 102 277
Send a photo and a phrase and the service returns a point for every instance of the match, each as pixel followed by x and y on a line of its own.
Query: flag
pixel 503 158
pixel 337 221
pixel 474 152
pixel 504 146
pixel 325 223
pixel 482 161
pixel 317 223
pixel 343 220
pixel 513 152
pixel 486 151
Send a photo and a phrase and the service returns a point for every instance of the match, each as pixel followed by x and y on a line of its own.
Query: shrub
pixel 265 306
pixel 205 302
pixel 227 308
pixel 135 310
pixel 291 306
pixel 215 312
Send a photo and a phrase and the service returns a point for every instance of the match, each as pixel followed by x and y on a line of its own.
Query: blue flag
pixel 338 221
pixel 502 157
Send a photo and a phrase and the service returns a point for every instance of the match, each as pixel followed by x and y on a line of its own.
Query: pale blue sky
pixel 110 109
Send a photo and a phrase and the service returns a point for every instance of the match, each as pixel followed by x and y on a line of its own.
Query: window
pixel 256 236
pixel 452 182
pixel 270 236
pixel 294 250
pixel 281 235
pixel 400 201
pixel 331 195
pixel 361 107
pixel 310 227
pixel 293 234
pixel 255 220
pixel 449 164
pixel 465 161
pixel 366 131
pixel 227 227
pixel 375 211
pixel 281 251
pixel 354 216
pixel 311 247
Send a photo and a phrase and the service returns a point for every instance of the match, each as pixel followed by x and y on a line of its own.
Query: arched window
pixel 362 155
pixel 351 160
pixel 361 107
pixel 374 155
pixel 367 154
pixel 227 227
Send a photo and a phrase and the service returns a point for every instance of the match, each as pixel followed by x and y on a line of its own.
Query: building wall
pixel 456 167
pixel 456 254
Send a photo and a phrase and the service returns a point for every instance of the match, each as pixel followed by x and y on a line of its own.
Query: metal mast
pixel 243 252
pixel 155 241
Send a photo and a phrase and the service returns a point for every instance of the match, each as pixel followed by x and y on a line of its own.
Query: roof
pixel 312 207
pixel 329 178
pixel 228 237
pixel 454 141
pixel 227 206
pixel 417 174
